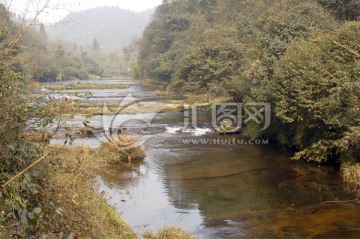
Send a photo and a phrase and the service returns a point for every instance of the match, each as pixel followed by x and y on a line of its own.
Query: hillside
pixel 300 57
pixel 113 27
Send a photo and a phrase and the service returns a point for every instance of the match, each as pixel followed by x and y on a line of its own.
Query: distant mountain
pixel 111 26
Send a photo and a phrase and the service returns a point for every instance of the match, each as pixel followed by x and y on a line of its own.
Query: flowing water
pixel 209 186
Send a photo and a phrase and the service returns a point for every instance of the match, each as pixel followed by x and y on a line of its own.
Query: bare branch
pixel 23 30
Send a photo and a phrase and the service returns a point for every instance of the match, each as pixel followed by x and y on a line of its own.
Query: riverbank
pixel 69 204
pixel 70 208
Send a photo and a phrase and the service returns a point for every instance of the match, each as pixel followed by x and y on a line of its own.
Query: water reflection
pixel 216 192
pixel 226 182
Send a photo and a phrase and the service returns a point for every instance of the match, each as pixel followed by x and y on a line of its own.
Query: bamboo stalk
pixel 22 172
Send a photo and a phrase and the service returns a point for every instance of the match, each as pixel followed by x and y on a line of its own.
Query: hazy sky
pixel 60 8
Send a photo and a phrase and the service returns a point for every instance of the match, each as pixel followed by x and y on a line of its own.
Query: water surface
pixel 216 191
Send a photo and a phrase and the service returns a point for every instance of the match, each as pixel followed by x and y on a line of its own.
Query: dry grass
pixel 71 208
pixel 38 136
pixel 351 176
pixel 70 205
pixel 169 233
pixel 146 107
pixel 87 86
pixel 122 148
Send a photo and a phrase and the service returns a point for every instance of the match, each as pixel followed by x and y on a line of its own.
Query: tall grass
pixel 351 176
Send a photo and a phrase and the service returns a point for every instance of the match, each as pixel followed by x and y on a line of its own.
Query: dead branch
pixel 346 48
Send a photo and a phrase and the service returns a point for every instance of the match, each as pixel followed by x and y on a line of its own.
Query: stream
pixel 210 186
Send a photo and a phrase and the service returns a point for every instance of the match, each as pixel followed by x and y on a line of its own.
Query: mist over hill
pixel 113 27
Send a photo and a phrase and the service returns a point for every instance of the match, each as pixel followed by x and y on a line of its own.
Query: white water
pixel 195 131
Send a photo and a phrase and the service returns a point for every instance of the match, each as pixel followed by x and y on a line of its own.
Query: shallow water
pixel 212 190
pixel 217 189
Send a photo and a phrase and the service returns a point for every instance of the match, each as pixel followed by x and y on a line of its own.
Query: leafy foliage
pixel 16 153
pixel 19 110
pixel 175 24
pixel 286 52
pixel 317 94
pixel 209 64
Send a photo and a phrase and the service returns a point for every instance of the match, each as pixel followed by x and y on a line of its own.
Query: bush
pixel 17 200
pixel 318 95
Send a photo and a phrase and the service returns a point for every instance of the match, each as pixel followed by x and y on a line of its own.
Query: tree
pixel 209 65
pixel 176 24
pixel 318 95
pixel 42 31
pixel 281 25
pixel 96 46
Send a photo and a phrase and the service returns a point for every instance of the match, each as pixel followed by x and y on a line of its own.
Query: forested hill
pixel 302 56
pixel 111 26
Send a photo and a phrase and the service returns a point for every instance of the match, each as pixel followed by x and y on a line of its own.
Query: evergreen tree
pixel 96 46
